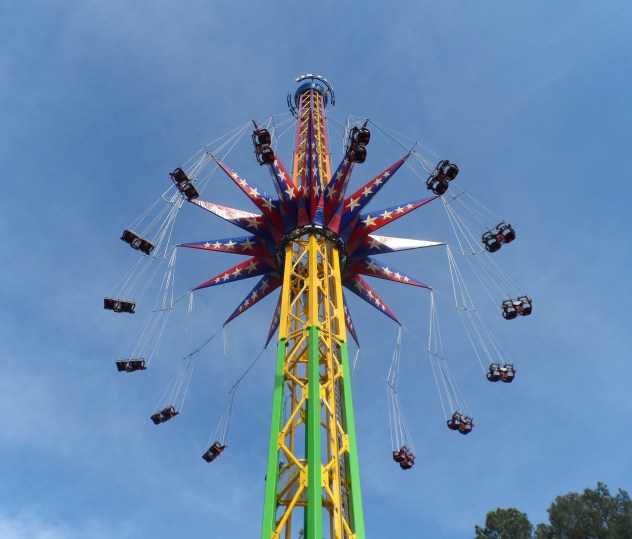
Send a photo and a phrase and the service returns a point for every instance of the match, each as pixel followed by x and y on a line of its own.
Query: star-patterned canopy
pixel 299 206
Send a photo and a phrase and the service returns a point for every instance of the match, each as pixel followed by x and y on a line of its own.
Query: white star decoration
pixel 247 244
pixel 375 243
pixel 369 221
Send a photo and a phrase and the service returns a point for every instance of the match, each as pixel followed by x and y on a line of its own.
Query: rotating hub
pixel 326 233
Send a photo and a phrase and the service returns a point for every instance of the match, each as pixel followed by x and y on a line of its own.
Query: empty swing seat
pixel 213 452
pixel 507 233
pixel 491 242
pixel 164 415
pixel 131 365
pixel 137 242
pixel 522 306
pixel 502 233
pixel 184 184
pixel 444 173
pixel 119 305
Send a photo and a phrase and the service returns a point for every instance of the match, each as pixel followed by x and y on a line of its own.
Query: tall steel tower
pixel 311 240
pixel 313 479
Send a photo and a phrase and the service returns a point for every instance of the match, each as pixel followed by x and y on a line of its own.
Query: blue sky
pixel 99 101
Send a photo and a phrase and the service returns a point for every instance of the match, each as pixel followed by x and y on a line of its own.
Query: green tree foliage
pixel 594 514
pixel 505 524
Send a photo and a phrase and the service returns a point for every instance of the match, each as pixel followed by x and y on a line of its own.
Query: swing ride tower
pixel 313 479
pixel 311 241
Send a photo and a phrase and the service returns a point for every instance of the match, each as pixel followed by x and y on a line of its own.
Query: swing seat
pixel 164 415
pixel 266 156
pixel 261 140
pixel 261 137
pixel 451 171
pixel 444 172
pixel 437 186
pixel 502 233
pixel 358 155
pixel 509 309
pixel 359 137
pixel 184 184
pixel 213 452
pixel 119 305
pixel 131 365
pixel 494 373
pixel 138 243
pixel 455 421
pixel 491 242
pixel 507 373
pixel 524 306
pixel 466 425
pixel 505 232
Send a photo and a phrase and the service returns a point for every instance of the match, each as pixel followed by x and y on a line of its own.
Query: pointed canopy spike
pixel 266 204
pixel 361 288
pixel 370 222
pixel 374 268
pixel 335 193
pixel 373 244
pixel 243 245
pixel 287 191
pixel 251 222
pixel 264 287
pixel 355 203
pixel 276 320
pixel 250 268
pixel 349 323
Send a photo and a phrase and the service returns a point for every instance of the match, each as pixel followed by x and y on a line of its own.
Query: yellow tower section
pixel 312 482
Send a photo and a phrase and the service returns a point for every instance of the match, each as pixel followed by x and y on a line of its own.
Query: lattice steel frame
pixel 313 479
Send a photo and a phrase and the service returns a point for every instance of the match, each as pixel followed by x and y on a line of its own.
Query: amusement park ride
pixel 313 241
